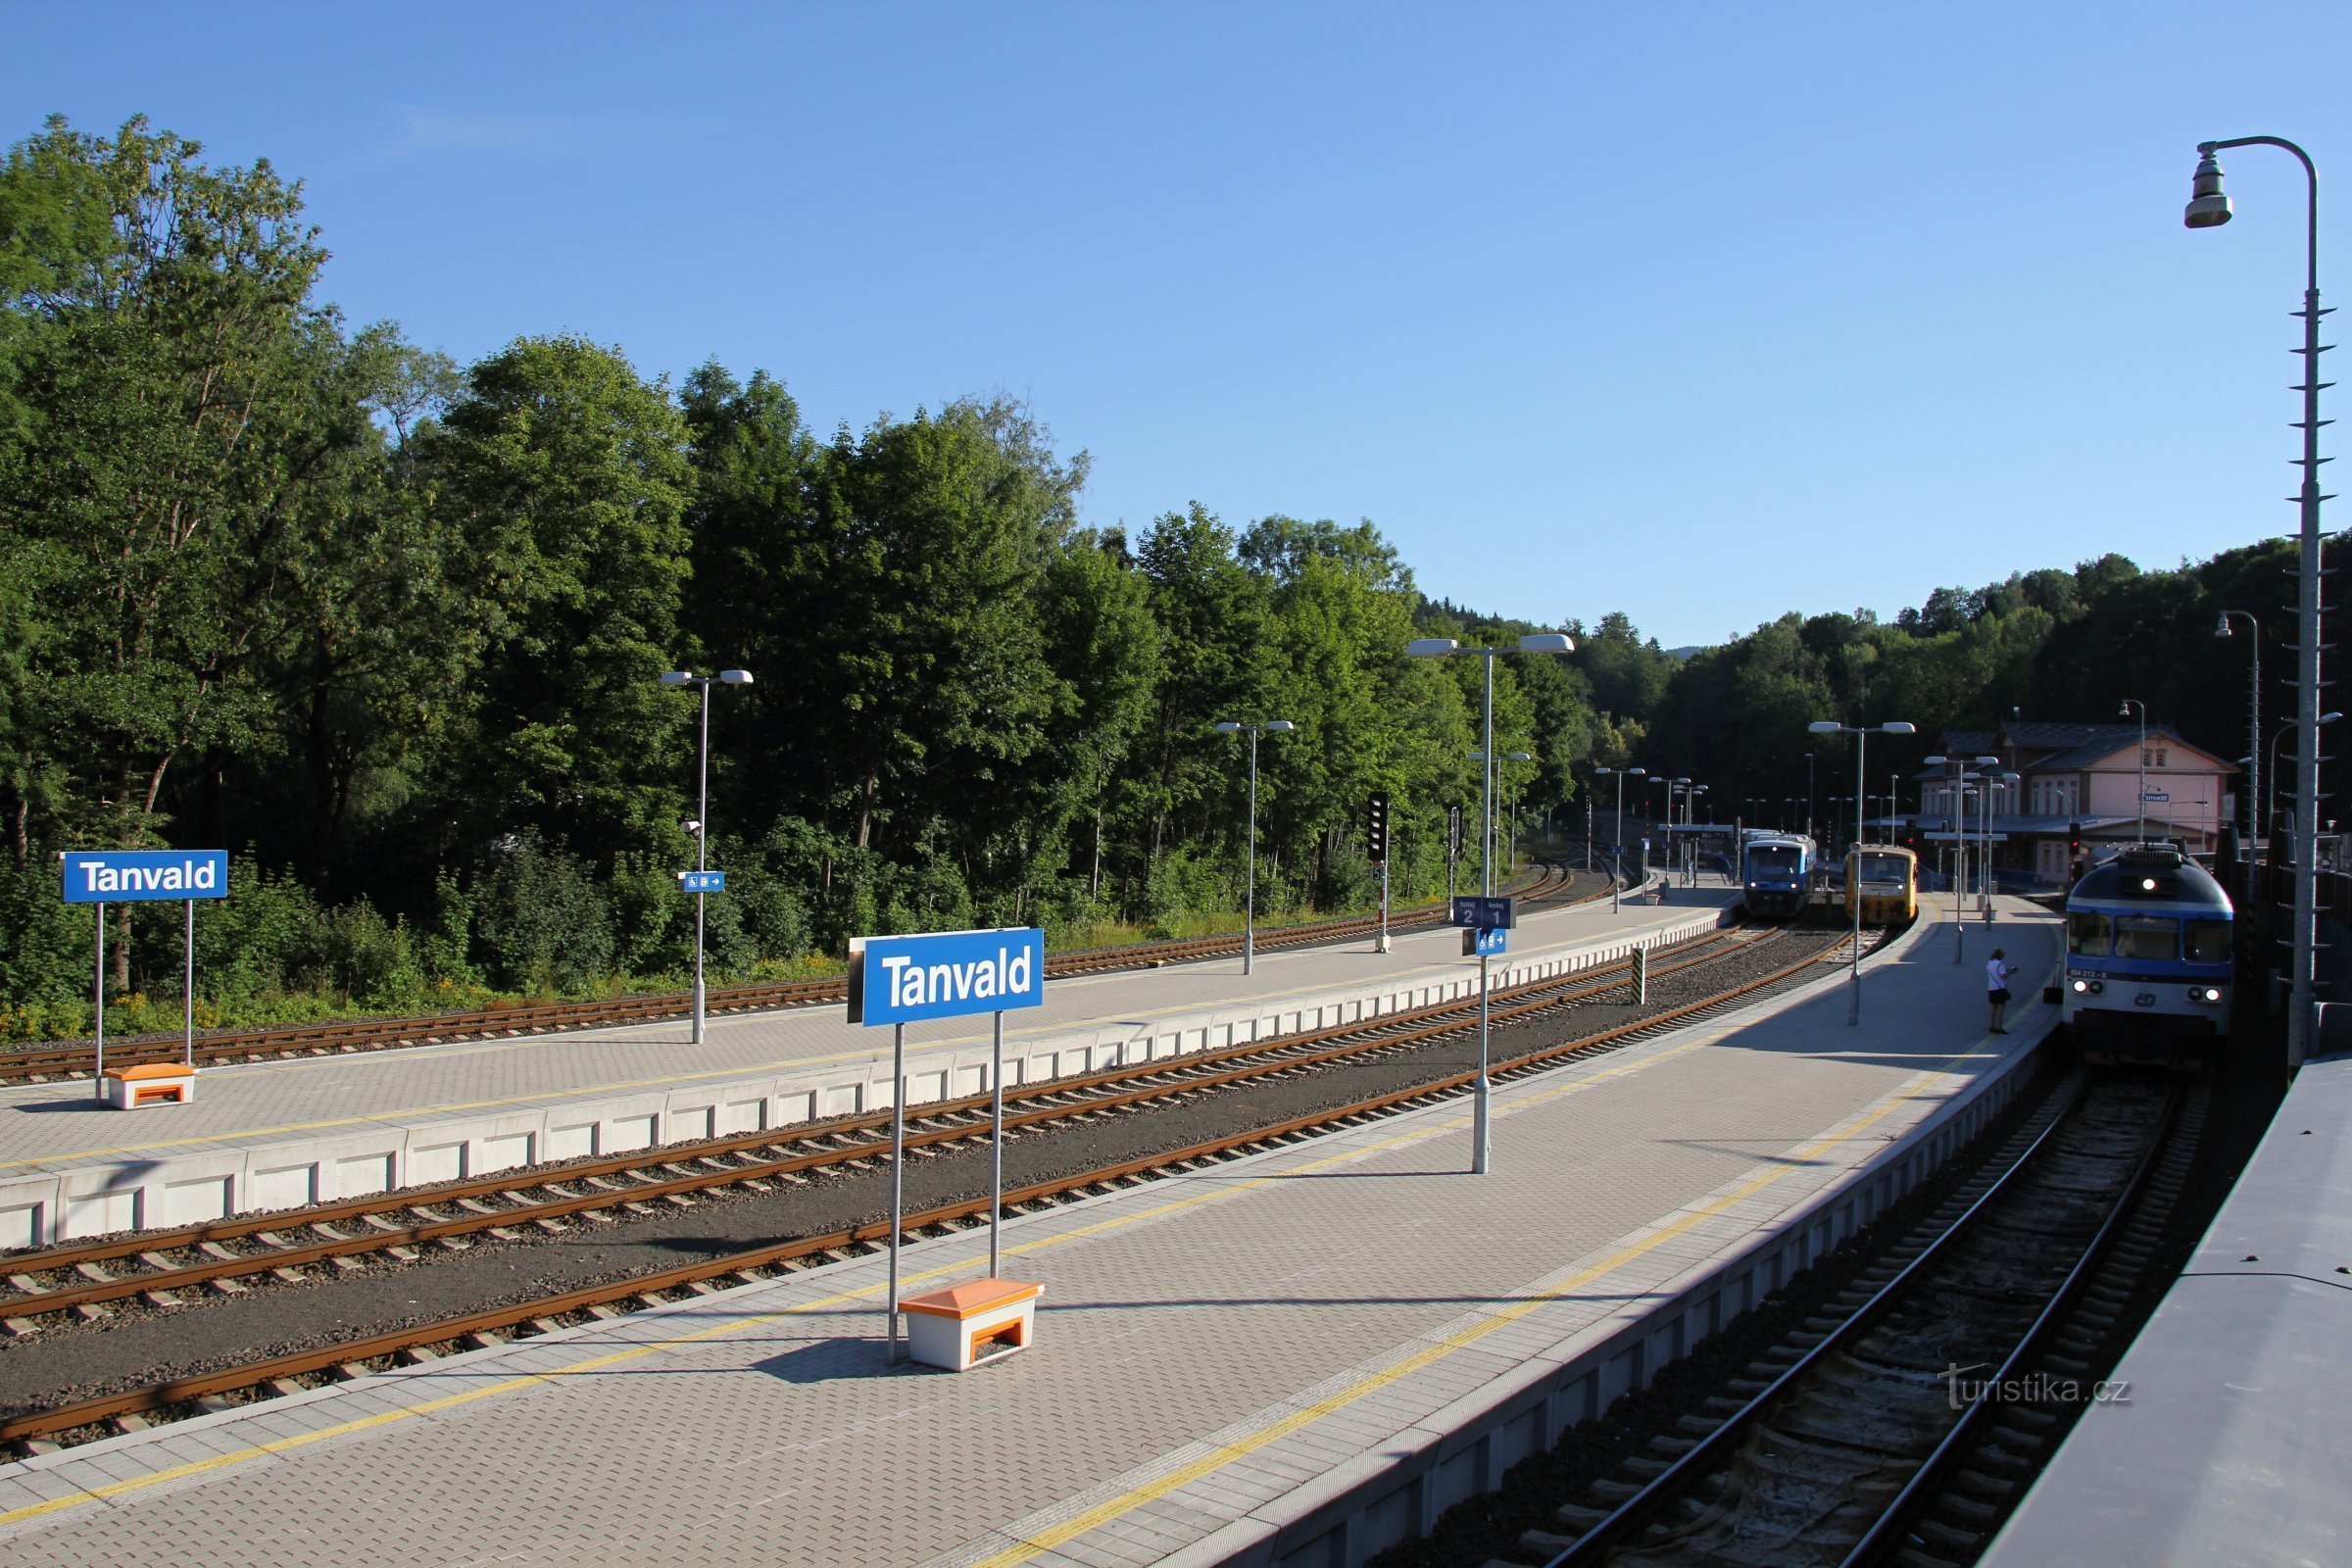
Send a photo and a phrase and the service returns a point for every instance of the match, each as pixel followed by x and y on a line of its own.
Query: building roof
pixel 2075 746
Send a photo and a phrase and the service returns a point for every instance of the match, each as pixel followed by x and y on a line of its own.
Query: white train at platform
pixel 2149 977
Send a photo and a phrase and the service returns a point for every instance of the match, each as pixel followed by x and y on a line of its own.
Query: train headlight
pixel 2204 993
pixel 2082 986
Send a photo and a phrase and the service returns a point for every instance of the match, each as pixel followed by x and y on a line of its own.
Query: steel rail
pixel 1053 1102
pixel 135 1403
pixel 1715 1451
pixel 43 1063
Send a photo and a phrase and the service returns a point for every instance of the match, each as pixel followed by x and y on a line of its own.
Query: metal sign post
pixel 945 974
pixel 898 1170
pixel 995 1151
pixel 98 1075
pixel 99 877
pixel 1487 919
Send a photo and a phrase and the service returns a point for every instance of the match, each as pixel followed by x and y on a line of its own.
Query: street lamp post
pixel 2253 744
pixel 1990 798
pixel 1617 833
pixel 1276 727
pixel 1542 642
pixel 2140 801
pixel 1808 795
pixel 1861 734
pixel 2209 207
pixel 1510 857
pixel 702 806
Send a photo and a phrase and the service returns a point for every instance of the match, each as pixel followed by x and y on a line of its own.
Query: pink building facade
pixel 2087 780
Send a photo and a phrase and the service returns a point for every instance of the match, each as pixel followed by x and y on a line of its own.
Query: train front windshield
pixel 1882 868
pixel 2088 932
pixel 2094 934
pixel 2206 941
pixel 1780 858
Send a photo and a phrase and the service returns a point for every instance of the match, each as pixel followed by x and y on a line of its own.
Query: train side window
pixel 2146 936
pixel 2086 933
pixel 2207 941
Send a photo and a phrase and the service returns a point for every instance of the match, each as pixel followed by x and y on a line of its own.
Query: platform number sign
pixel 1376 827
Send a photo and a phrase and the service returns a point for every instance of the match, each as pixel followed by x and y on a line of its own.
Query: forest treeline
pixel 390 629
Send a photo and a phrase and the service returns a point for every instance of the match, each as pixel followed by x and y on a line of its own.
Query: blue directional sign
pixel 2157 795
pixel 703 881
pixel 143 876
pixel 1484 914
pixel 1488 943
pixel 945 974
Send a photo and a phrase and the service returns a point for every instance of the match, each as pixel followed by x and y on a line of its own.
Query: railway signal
pixel 1376 827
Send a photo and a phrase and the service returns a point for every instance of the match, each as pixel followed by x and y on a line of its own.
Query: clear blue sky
pixel 1702 312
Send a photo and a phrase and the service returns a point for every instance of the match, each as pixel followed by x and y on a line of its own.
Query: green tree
pixel 159 331
pixel 568 476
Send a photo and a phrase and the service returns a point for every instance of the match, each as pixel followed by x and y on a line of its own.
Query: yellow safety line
pixel 1140 1496
pixel 555 1099
pixel 1217 1458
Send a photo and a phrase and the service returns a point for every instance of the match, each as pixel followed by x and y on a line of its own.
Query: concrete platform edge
pixel 1358 1510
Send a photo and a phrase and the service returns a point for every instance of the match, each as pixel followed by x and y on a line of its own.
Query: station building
pixel 2075 786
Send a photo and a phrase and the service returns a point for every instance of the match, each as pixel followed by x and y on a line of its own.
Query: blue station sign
pixel 1487 942
pixel 945 974
pixel 145 876
pixel 703 881
pixel 1485 914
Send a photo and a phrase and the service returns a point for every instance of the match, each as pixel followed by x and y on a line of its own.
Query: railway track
pixel 158 1268
pixel 1896 1426
pixel 78 1276
pixel 1551 884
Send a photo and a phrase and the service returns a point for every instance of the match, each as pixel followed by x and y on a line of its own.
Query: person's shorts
pixel 1996 997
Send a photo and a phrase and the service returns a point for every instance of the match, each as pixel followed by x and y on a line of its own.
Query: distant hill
pixel 1683 655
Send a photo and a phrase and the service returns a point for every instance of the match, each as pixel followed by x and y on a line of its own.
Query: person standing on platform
pixel 1997 989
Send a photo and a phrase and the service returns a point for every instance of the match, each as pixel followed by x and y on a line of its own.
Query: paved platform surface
pixel 2223 1434
pixel 1214 1353
pixel 279 1134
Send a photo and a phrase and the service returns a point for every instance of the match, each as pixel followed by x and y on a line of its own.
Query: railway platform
pixel 278 1134
pixel 1298 1358
pixel 2219 1437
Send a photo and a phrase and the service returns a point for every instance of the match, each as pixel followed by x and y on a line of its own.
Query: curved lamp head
pixel 1430 647
pixel 675 677
pixel 1546 642
pixel 1225 726
pixel 2207 207
pixel 1280 725
pixel 1897 727
pixel 1824 726
pixel 735 677
pixel 2222 628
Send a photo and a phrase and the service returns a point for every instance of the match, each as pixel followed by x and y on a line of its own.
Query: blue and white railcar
pixel 1775 874
pixel 2148 971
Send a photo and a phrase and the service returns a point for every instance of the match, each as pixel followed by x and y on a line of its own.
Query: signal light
pixel 1376 827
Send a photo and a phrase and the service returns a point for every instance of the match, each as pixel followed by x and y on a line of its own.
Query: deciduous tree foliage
pixel 392 628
